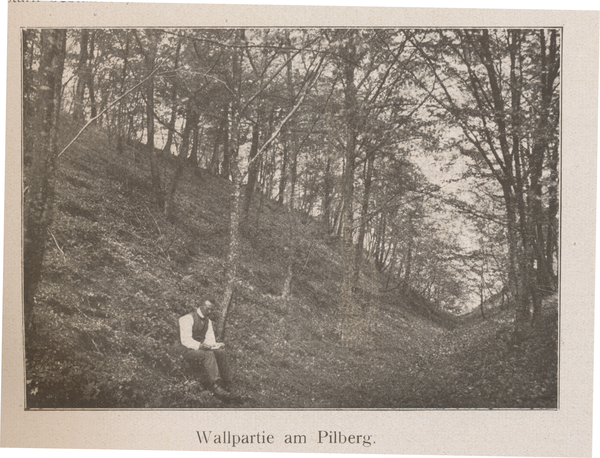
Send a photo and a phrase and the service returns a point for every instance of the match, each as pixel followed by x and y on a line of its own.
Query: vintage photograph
pixel 291 218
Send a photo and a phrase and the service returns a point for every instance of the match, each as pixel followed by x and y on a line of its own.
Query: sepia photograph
pixel 236 228
pixel 291 217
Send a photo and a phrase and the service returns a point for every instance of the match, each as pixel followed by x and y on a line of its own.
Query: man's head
pixel 208 308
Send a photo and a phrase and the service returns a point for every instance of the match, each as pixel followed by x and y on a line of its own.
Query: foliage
pixel 118 274
pixel 355 199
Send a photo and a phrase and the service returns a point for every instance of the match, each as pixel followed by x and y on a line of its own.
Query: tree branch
pixel 106 109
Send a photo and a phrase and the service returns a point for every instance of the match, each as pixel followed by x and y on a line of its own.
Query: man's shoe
pixel 219 391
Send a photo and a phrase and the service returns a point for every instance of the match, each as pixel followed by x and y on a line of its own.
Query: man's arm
pixel 185 333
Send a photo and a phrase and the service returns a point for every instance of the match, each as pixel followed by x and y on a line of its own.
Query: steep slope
pixel 118 274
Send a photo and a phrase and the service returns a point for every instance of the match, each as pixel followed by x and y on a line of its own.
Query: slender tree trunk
pixel 482 292
pixel 552 214
pixel 174 93
pixel 393 260
pixel 271 176
pixel 386 256
pixel 516 278
pixel 265 178
pixel 380 242
pixel 553 145
pixel 252 171
pixel 530 299
pixel 196 134
pixel 153 156
pixel 363 218
pixel 226 165
pixel 191 120
pixel 39 197
pixel 338 218
pixel 283 177
pixel 28 46
pixel 269 162
pixel 29 36
pixel 236 200
pixel 291 145
pixel 290 245
pixel 122 132
pixel 214 162
pixel 351 332
pixel 327 192
pixel 82 70
pixel 408 264
pixel 90 75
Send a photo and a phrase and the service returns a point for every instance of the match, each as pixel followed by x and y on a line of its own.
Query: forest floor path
pixel 424 366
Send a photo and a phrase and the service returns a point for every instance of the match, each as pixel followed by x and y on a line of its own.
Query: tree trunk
pixel 153 156
pixel 82 77
pixel 327 192
pixel 196 134
pixel 408 266
pixel 191 119
pixel 351 322
pixel 231 164
pixel 40 176
pixel 226 165
pixel 553 145
pixel 552 214
pixel 290 145
pixel 363 218
pixel 513 183
pixel 171 125
pixel 122 132
pixel 482 292
pixel 29 36
pixel 379 254
pixel 90 76
pixel 544 137
pixel 252 172
pixel 290 245
pixel 516 277
pixel 282 177
pixel 214 161
pixel 338 218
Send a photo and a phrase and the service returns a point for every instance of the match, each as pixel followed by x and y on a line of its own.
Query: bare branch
pixel 114 102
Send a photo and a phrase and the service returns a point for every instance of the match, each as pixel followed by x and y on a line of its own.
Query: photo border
pixel 565 432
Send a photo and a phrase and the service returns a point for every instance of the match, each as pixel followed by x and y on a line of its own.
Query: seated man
pixel 198 337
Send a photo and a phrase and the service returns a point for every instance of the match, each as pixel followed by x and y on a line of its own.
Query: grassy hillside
pixel 118 274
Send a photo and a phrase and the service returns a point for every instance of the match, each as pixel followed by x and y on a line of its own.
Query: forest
pixel 354 199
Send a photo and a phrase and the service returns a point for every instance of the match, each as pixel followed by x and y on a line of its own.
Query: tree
pixel 148 44
pixel 174 103
pixel 122 133
pixel 191 122
pixel 232 150
pixel 39 176
pixel 371 68
pixel 495 112
pixel 85 77
pixel 332 123
pixel 240 106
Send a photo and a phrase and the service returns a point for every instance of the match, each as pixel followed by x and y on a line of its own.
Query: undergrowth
pixel 118 274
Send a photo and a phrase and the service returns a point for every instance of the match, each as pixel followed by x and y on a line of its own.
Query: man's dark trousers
pixel 214 363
